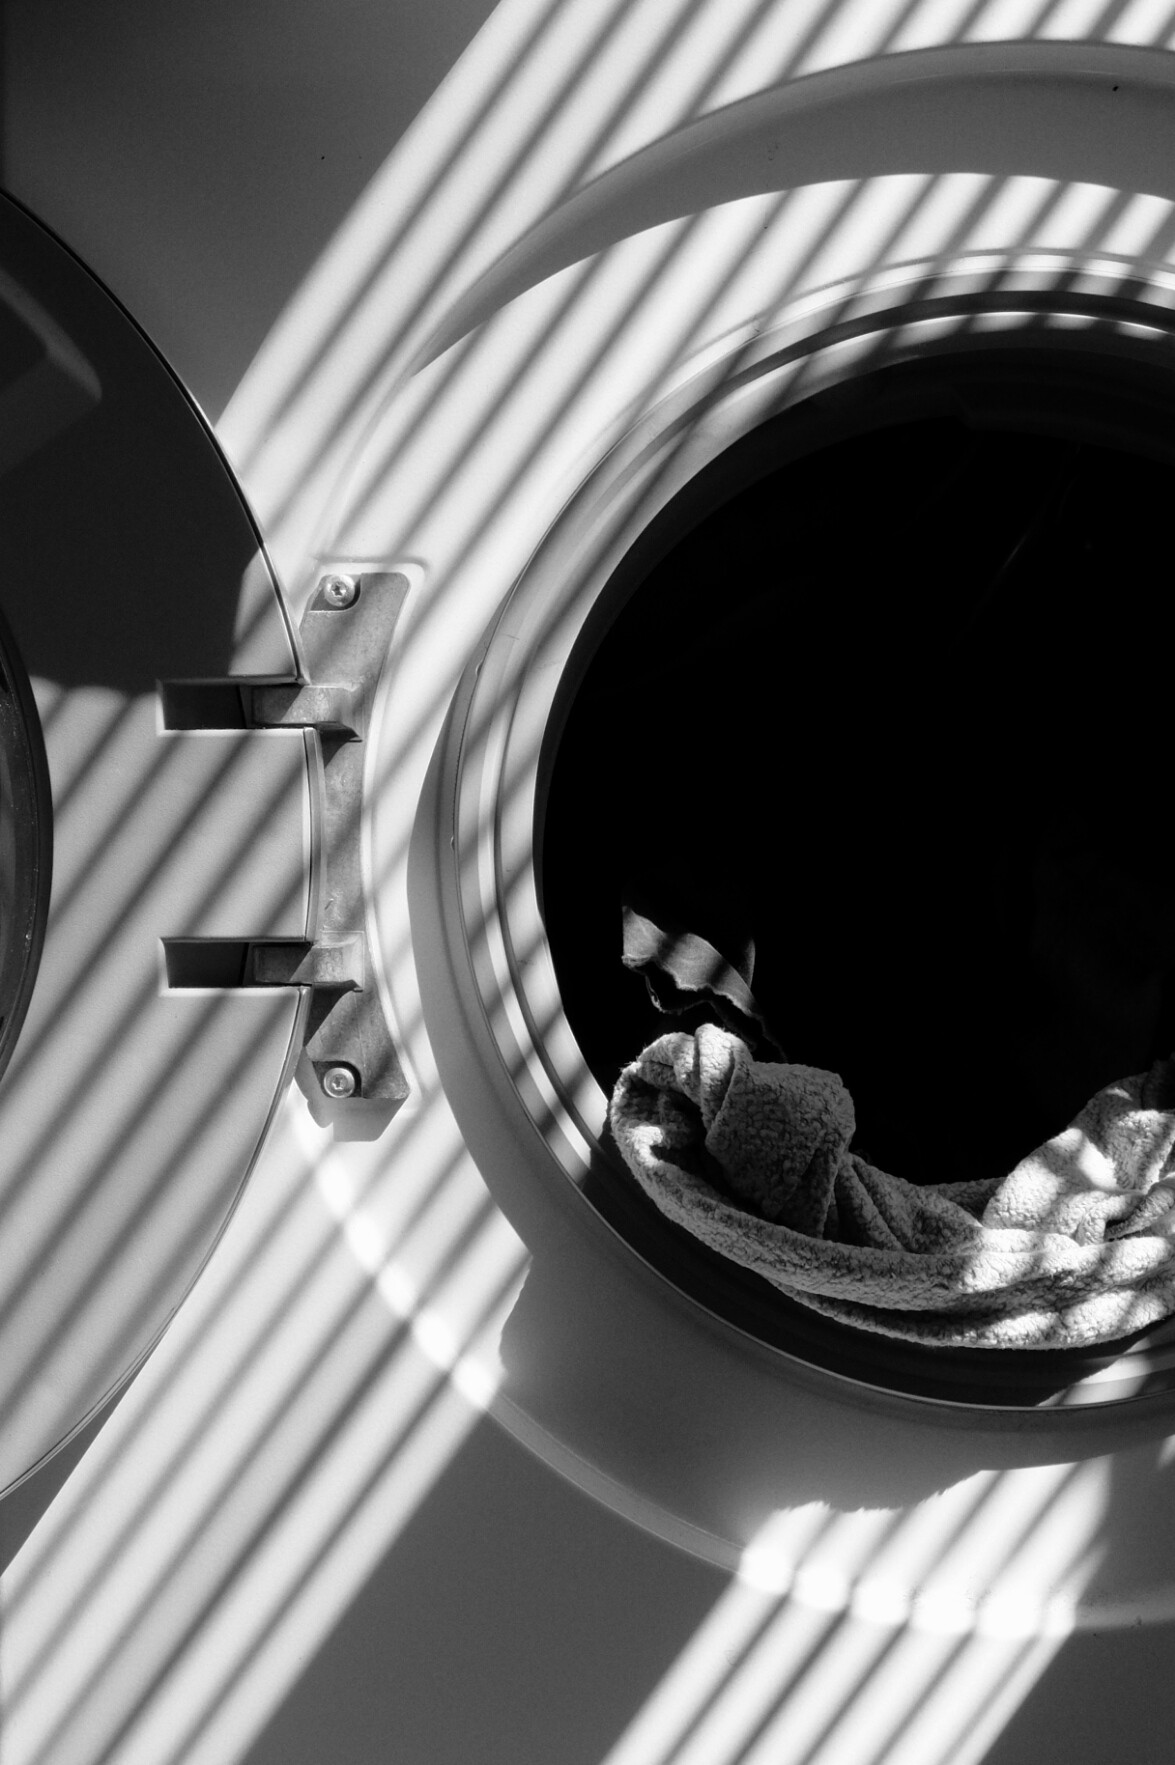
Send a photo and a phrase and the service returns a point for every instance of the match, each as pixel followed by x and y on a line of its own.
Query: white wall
pixel 199 153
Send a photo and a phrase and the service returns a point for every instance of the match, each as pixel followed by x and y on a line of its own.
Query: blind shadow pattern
pixel 345 1334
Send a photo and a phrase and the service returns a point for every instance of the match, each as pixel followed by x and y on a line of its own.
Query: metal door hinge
pixel 349 1065
pixel 346 634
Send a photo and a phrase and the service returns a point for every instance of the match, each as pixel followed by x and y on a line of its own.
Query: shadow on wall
pixel 430 1618
pixel 545 1621
pixel 533 1634
pixel 1069 1714
pixel 199 157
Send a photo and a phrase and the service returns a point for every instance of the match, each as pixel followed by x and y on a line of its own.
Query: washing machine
pixel 722 460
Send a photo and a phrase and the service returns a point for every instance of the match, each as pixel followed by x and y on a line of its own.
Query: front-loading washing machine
pixel 727 446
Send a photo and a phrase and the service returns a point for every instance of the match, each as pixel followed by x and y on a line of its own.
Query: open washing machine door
pixel 164 789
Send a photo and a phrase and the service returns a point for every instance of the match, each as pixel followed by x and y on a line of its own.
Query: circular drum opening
pixel 884 691
pixel 897 711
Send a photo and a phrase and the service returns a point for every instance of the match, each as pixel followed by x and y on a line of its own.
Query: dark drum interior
pixel 891 696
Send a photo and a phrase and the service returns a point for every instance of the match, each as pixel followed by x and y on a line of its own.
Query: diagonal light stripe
pixel 336 1354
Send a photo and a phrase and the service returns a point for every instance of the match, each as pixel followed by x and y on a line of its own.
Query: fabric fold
pixel 1075 1246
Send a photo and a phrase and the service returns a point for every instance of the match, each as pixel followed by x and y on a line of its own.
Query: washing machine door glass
pixel 140 612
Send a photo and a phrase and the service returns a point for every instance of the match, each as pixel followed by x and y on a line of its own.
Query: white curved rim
pixel 508 985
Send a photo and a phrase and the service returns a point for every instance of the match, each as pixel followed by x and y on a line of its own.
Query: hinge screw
pixel 339 591
pixel 340 1081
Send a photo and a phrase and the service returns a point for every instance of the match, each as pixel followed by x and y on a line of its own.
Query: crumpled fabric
pixel 1074 1247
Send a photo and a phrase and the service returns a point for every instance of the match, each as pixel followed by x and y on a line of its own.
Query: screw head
pixel 339 591
pixel 340 1081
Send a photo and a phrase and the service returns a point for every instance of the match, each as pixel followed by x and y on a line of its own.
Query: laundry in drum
pixel 755 1155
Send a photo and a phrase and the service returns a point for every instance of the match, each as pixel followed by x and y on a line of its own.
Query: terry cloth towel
pixel 1076 1246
